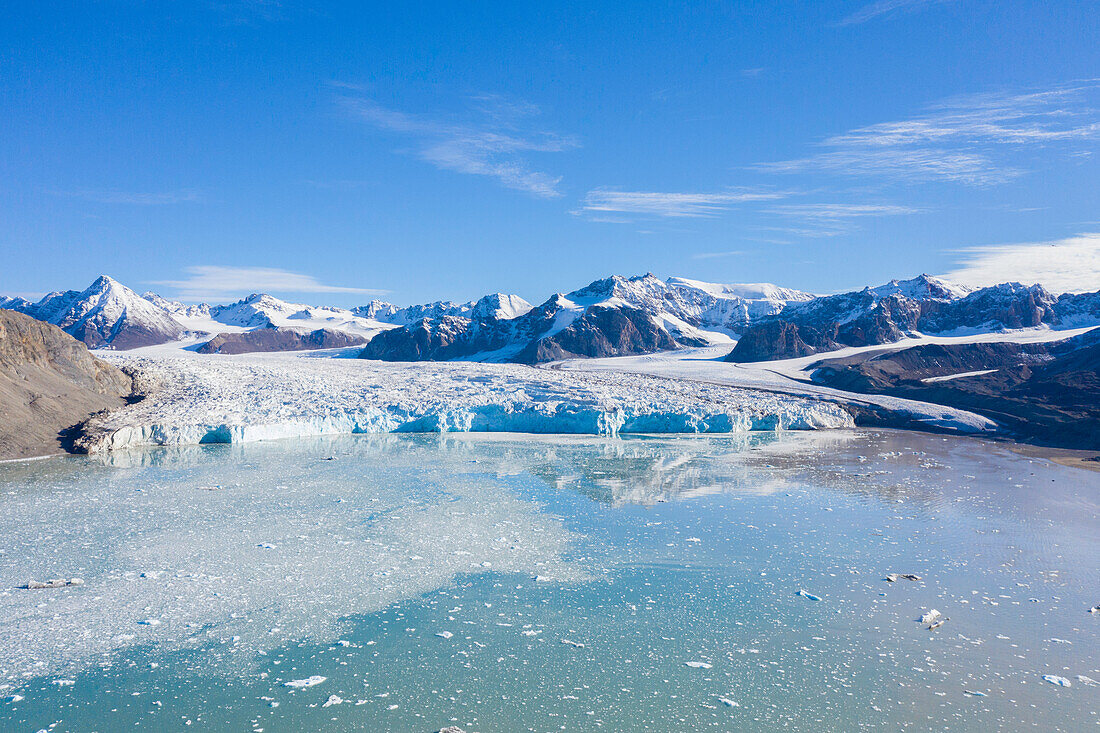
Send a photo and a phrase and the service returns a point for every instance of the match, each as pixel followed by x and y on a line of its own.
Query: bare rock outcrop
pixel 49 383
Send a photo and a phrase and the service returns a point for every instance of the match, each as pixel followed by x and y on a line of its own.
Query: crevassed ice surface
pixel 505 583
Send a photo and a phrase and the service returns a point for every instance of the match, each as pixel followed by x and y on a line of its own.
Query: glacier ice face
pixel 196 400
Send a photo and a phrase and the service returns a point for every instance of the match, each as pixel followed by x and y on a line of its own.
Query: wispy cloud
pixel 967 139
pixel 134 198
pixel 495 145
pixel 717 255
pixel 1065 265
pixel 886 7
pixel 830 220
pixel 211 282
pixel 603 201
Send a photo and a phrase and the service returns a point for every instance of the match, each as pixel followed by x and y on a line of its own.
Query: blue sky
pixel 327 151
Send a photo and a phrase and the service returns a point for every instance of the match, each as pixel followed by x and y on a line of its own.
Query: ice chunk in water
pixel 307 682
pixel 930 617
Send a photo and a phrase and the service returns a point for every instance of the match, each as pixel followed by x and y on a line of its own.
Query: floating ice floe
pixel 973 693
pixel 807 594
pixel 52 583
pixel 894 577
pixel 1057 680
pixel 444 634
pixel 307 682
pixel 698 665
pixel 930 617
pixel 1086 680
pixel 729 703
pixel 575 644
pixel 332 700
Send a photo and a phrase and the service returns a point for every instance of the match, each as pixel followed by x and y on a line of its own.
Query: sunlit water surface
pixel 505 583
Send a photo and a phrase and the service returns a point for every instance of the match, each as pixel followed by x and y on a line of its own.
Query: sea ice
pixel 930 616
pixel 307 682
pixel 1057 680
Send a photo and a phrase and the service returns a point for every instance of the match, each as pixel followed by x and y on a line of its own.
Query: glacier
pixel 239 399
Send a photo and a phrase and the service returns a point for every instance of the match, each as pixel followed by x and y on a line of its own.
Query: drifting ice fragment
pixel 698 665
pixel 444 634
pixel 52 583
pixel 930 617
pixel 729 703
pixel 807 594
pixel 332 700
pixel 1056 680
pixel 307 682
pixel 894 577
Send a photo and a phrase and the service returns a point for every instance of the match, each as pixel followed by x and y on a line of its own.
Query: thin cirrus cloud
pixel 718 255
pixel 830 220
pixel 601 202
pixel 213 282
pixel 977 139
pixel 135 198
pixel 496 145
pixel 1070 265
pixel 886 7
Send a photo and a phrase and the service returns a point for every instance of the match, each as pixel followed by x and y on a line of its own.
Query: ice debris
pixel 52 583
pixel 332 700
pixel 930 617
pixel 1057 680
pixel 698 665
pixel 807 594
pixel 894 577
pixel 307 682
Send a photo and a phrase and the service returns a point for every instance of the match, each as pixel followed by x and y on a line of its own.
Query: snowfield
pixel 230 399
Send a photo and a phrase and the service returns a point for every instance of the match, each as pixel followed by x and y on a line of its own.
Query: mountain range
pixel 614 316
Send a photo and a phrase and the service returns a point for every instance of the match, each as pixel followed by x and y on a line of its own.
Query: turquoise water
pixel 504 583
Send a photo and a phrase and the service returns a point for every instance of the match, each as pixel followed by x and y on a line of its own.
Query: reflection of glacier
pixel 238 551
pixel 246 399
pixel 651 470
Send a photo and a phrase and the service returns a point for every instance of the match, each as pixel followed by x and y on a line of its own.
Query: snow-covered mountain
pixel 496 305
pixel 610 317
pixel 264 311
pixel 902 308
pixel 107 314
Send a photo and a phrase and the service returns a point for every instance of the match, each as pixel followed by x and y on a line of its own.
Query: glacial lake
pixel 513 582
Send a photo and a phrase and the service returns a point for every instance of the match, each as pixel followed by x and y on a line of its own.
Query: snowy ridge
pixel 615 316
pixel 107 314
pixel 196 400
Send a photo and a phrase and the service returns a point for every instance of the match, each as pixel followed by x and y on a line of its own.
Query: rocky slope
pixel 904 308
pixel 616 316
pixel 279 339
pixel 48 384
pixel 1045 392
